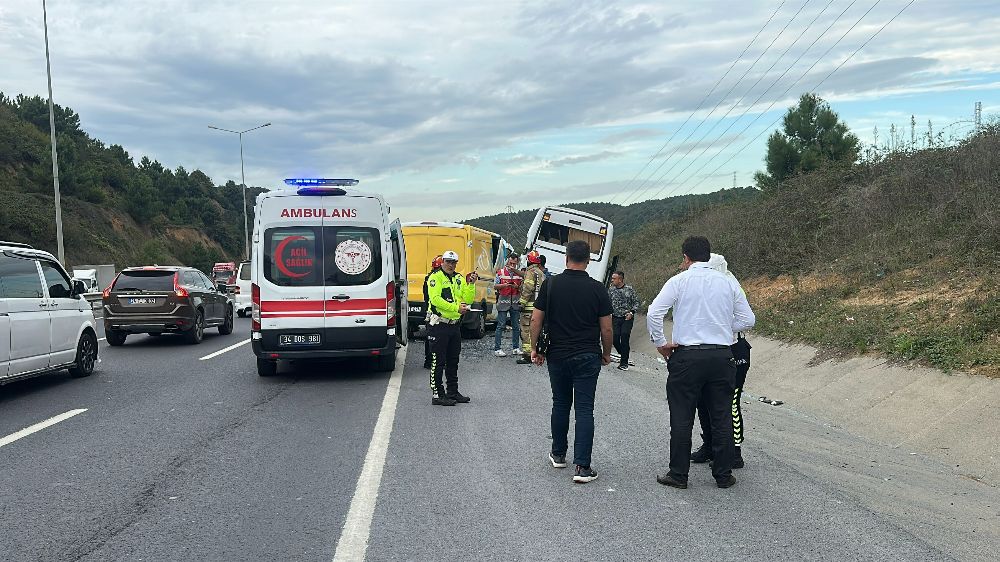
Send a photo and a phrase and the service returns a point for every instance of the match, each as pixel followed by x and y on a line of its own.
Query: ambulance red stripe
pixel 321 306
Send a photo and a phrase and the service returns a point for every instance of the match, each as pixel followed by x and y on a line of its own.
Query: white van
pixel 241 292
pixel 45 323
pixel 328 276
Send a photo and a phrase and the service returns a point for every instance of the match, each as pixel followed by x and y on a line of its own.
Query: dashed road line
pixel 39 426
pixel 224 350
pixel 353 541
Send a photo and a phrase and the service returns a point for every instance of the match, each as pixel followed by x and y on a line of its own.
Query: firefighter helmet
pixel 534 257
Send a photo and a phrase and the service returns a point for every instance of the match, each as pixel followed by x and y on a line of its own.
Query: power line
pixel 814 88
pixel 762 94
pixel 721 99
pixel 702 102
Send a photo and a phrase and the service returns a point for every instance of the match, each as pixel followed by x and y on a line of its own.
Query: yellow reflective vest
pixel 447 292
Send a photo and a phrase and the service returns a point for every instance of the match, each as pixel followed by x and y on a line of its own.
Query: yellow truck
pixel 478 250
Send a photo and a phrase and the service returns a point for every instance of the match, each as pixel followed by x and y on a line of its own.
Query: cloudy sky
pixel 457 109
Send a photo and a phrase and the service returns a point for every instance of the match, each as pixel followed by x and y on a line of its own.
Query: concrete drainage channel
pixel 954 418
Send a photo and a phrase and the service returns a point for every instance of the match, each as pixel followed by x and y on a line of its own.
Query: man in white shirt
pixel 709 308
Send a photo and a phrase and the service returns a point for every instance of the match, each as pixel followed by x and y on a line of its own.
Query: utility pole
pixel 734 180
pixel 979 115
pixel 60 249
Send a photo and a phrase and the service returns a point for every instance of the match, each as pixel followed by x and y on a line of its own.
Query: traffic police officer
pixel 449 295
pixel 533 277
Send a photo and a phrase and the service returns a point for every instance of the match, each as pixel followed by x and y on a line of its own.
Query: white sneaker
pixel 499 353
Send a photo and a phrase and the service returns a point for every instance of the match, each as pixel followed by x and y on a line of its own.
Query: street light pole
pixel 243 179
pixel 60 250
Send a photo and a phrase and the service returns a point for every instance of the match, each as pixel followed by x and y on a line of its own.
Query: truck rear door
pixel 398 245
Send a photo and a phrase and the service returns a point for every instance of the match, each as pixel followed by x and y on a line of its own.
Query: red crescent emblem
pixel 280 250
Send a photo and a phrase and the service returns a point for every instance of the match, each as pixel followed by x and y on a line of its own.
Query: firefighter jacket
pixel 445 293
pixel 533 277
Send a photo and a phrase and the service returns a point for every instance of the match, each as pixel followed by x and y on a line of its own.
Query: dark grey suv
pixel 157 300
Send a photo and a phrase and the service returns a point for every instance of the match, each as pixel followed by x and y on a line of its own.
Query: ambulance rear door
pixel 358 274
pixel 292 312
pixel 398 245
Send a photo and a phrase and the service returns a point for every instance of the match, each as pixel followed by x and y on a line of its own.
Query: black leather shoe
pixel 443 401
pixel 725 482
pixel 523 360
pixel 703 454
pixel 672 481
pixel 460 398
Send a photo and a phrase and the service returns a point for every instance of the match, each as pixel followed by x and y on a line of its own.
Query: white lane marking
pixel 39 426
pixel 225 349
pixel 354 537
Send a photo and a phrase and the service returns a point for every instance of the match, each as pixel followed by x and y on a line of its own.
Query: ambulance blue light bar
pixel 321 186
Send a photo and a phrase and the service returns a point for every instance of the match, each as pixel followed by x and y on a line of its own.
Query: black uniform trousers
pixel 622 333
pixel 446 346
pixel 694 373
pixel 741 352
pixel 427 350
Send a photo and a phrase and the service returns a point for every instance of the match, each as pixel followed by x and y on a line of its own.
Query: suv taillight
pixel 255 307
pixel 178 290
pixel 107 292
pixel 390 304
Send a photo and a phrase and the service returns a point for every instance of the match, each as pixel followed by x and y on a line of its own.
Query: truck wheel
pixel 266 367
pixel 478 332
pixel 86 356
pixel 116 337
pixel 385 363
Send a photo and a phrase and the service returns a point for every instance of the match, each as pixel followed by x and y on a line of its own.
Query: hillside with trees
pixel 114 209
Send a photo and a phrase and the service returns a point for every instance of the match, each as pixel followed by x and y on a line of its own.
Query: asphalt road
pixel 181 458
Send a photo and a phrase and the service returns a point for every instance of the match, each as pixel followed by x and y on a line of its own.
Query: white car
pixel 45 323
pixel 242 291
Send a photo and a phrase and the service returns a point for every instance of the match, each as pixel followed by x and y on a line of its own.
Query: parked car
pixel 158 300
pixel 241 293
pixel 45 323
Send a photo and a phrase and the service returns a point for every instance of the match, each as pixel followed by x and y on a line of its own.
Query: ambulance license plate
pixel 299 339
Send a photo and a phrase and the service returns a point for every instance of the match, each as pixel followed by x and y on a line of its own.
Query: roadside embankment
pixel 953 417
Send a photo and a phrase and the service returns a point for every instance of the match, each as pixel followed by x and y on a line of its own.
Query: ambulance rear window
pixel 353 255
pixel 317 256
pixel 292 257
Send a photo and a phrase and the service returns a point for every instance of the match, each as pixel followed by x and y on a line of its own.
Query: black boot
pixel 702 455
pixel 459 397
pixel 738 459
pixel 443 401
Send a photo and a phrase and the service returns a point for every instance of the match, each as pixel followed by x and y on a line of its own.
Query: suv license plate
pixel 142 301
pixel 298 339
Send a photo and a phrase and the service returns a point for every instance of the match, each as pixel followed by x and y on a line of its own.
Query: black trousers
pixel 694 373
pixel 427 349
pixel 622 332
pixel 741 352
pixel 735 410
pixel 446 346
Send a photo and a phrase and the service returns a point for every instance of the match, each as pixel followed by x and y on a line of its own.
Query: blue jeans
pixel 574 383
pixel 502 316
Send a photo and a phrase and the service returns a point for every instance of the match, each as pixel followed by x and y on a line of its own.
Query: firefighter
pixel 435 266
pixel 449 295
pixel 532 283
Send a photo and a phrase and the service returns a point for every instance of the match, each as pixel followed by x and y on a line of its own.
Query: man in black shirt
pixel 577 313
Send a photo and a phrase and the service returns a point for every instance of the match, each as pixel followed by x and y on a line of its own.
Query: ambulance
pixel 328 275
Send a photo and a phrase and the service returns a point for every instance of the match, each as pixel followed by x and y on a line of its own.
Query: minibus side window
pixel 291 257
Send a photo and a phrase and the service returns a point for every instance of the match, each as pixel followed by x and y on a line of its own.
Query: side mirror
pixel 79 288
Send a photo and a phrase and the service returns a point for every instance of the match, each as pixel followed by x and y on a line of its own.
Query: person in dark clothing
pixel 576 310
pixel 708 309
pixel 624 305
pixel 435 266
